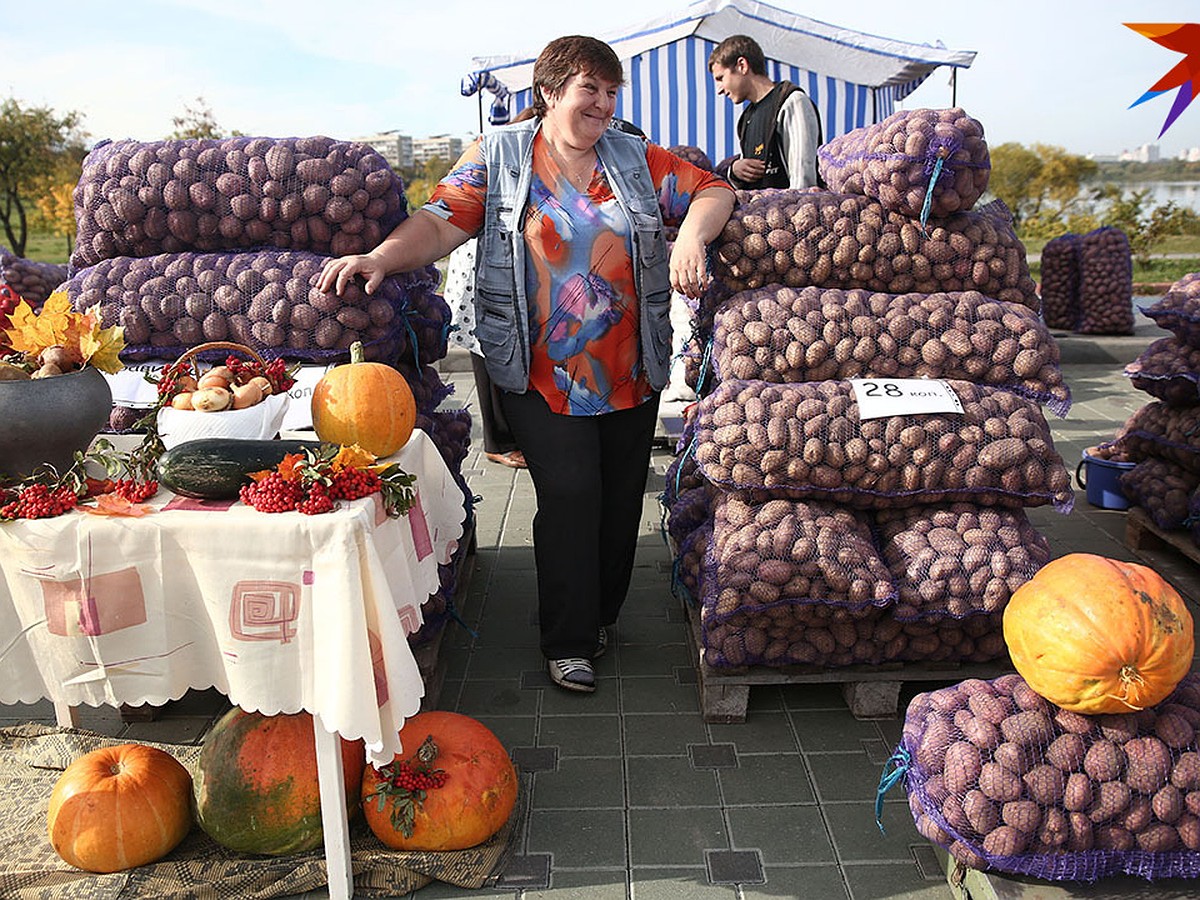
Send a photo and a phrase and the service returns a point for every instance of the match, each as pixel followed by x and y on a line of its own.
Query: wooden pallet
pixel 428 655
pixel 871 692
pixel 1142 534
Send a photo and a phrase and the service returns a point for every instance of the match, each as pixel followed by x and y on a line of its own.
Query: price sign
pixel 881 397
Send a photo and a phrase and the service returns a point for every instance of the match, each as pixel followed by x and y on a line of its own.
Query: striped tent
pixel 854 78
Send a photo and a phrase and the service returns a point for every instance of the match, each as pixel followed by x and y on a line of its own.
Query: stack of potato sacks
pixel 183 242
pixel 1163 437
pixel 806 534
pixel 32 281
pixel 1087 282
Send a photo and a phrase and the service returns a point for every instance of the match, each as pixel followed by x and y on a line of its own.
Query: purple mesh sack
pixel 1179 310
pixel 427 386
pixel 694 155
pixel 1169 370
pixel 808 441
pixel 958 560
pixel 920 163
pixel 1105 283
pixel 1006 781
pixel 1162 489
pixel 1158 430
pixel 309 193
pixel 266 299
pixel 1060 282
pixel 688 568
pixel 812 237
pixel 689 511
pixel 781 334
pixel 33 281
pixel 450 431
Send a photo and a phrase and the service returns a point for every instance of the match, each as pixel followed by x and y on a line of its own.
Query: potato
pixel 1168 804
pixel 999 783
pixel 1188 828
pixel 1111 798
pixel 1147 764
pixel 1185 773
pixel 1024 815
pixel 962 766
pixel 1005 841
pixel 1078 794
pixel 1104 761
pixel 1045 784
pixel 1066 752
pixel 981 813
pixel 1014 757
pixel 1029 728
pixel 1157 838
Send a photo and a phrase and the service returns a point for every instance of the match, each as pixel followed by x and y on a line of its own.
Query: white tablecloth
pixel 280 612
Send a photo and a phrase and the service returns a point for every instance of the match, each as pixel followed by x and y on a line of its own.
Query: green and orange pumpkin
pixel 256 785
pixel 118 807
pixel 475 792
pixel 1096 635
pixel 366 403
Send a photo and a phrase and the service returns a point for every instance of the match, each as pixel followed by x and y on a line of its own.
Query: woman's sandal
pixel 514 459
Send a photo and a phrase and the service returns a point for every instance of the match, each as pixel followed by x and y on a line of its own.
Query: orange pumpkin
pixel 364 403
pixel 119 807
pixel 1096 635
pixel 475 796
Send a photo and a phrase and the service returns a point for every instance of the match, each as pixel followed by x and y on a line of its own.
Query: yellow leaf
pixel 352 457
pixel 116 505
pixel 102 347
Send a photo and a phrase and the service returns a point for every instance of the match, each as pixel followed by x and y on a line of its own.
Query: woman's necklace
pixel 578 176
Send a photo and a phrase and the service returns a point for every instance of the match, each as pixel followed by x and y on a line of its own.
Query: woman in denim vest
pixel 573 284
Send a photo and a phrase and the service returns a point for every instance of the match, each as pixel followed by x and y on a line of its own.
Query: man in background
pixel 778 131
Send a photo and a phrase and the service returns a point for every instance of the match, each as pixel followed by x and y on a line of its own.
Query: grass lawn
pixel 50 248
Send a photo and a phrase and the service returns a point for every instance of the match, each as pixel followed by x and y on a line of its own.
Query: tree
pixel 1041 185
pixel 35 143
pixel 197 122
pixel 420 180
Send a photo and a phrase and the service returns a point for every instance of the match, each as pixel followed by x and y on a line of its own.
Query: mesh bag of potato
pixel 1162 489
pixel 1179 309
pixel 1169 370
pixel 1005 780
pixel 308 193
pixel 782 334
pixel 1060 282
pixel 426 384
pixel 687 570
pixel 958 560
pixel 689 511
pixel 450 431
pixel 1158 430
pixel 1105 283
pixel 266 299
pixel 811 237
pixel 808 441
pixel 33 281
pixel 920 163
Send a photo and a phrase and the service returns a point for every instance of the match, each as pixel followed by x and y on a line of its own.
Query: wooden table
pixel 280 612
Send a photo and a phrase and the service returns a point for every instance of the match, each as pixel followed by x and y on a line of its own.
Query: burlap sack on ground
pixel 33 756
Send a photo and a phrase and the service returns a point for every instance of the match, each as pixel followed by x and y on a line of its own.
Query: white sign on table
pixel 882 397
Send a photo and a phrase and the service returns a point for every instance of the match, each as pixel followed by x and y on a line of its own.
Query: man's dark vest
pixel 757 134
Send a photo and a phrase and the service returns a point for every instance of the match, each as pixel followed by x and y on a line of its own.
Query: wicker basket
pixel 258 422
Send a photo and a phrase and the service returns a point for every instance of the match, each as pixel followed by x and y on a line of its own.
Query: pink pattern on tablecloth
pixel 422 543
pixel 98 604
pixel 196 504
pixel 410 620
pixel 264 611
pixel 378 668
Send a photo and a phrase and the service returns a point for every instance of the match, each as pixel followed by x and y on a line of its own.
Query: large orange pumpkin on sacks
pixel 364 403
pixel 1096 635
pixel 119 807
pixel 452 787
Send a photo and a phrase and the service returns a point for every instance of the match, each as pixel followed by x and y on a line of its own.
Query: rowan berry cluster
pixel 409 778
pixel 276 372
pixel 351 483
pixel 135 491
pixel 39 501
pixel 273 494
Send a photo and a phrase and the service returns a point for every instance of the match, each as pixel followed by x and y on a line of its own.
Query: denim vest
pixel 501 304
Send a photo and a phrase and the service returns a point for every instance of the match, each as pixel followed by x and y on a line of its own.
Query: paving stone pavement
pixel 630 793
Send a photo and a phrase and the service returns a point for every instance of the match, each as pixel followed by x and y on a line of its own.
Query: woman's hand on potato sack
pixel 336 273
pixel 689 271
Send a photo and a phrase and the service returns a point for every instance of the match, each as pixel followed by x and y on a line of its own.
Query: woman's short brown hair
pixel 567 56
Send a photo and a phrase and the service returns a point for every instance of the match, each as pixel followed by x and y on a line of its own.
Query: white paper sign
pixel 129 386
pixel 881 397
pixel 299 412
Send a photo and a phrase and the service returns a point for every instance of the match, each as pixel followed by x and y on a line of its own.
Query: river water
pixel 1184 194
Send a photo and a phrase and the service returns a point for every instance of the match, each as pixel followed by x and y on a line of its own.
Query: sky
pixel 1058 72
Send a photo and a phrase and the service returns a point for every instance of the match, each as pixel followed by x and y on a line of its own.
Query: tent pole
pixel 954 86
pixel 479 95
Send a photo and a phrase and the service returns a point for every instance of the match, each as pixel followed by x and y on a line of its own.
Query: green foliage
pixel 420 180
pixel 197 122
pixel 1040 184
pixel 37 146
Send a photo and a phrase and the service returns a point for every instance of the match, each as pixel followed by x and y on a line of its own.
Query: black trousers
pixel 497 436
pixel 589 476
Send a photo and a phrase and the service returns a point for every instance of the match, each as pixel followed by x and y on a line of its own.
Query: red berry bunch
pixel 276 372
pixel 168 378
pixel 273 494
pixel 406 777
pixel 318 500
pixel 351 483
pixel 9 299
pixel 39 501
pixel 135 491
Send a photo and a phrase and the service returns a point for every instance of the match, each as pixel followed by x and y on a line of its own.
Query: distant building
pixel 1147 153
pixel 395 147
pixel 1191 154
pixel 441 146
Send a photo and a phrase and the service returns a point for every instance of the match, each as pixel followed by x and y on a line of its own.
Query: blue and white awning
pixel 854 78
